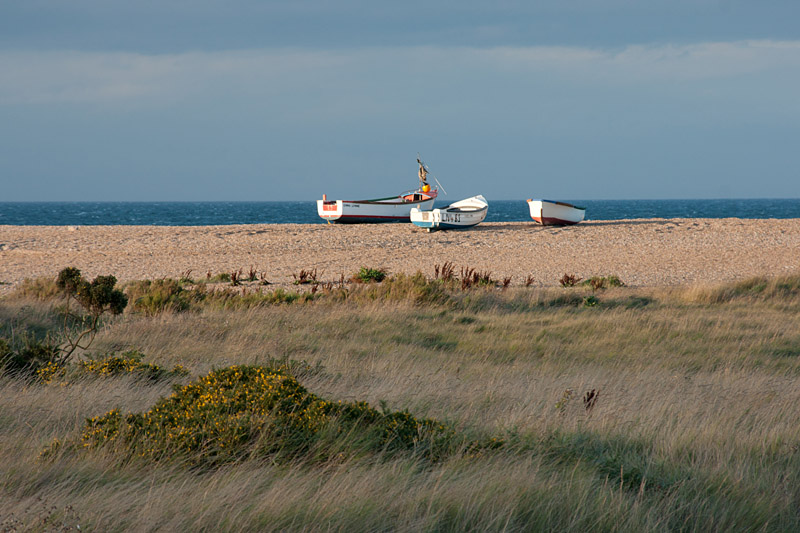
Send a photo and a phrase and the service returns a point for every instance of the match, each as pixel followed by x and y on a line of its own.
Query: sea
pixel 305 212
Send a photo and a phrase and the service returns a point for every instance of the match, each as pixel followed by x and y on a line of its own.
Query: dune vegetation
pixel 413 403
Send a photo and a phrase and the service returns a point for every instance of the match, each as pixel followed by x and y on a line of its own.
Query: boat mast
pixel 423 173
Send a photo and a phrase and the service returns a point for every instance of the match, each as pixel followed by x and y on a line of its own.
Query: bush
pixel 369 275
pixel 251 411
pixel 96 298
pixel 109 365
pixel 29 357
pixel 601 282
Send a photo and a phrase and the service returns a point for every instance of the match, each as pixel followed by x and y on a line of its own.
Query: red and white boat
pixel 391 209
pixel 551 213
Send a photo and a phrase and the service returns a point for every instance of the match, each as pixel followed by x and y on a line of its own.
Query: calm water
pixel 221 213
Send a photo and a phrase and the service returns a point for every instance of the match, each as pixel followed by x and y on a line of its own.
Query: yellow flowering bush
pixel 126 363
pixel 252 411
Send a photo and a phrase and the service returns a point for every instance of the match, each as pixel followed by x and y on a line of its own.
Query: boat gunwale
pixel 461 209
pixel 556 202
pixel 398 200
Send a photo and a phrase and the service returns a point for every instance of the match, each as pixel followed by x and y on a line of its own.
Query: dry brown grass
pixel 695 427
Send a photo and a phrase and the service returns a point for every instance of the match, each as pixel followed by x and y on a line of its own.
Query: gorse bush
pixel 109 365
pixel 258 412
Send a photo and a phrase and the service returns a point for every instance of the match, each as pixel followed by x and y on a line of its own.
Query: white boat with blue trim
pixel 463 214
pixel 390 209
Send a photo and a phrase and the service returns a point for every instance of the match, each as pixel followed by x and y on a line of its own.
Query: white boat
pixel 390 209
pixel 551 213
pixel 459 215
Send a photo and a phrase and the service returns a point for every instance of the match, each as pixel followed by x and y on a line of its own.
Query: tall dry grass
pixel 695 428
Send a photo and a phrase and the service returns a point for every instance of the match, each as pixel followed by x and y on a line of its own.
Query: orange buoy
pixel 426 188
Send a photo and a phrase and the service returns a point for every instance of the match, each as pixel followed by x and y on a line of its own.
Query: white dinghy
pixel 459 215
pixel 551 213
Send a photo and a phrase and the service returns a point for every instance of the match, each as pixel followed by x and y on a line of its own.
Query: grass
pixel 694 427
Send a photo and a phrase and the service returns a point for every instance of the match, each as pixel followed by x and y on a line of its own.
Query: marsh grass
pixel 694 427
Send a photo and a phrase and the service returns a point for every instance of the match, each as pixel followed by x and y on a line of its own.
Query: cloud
pixel 97 78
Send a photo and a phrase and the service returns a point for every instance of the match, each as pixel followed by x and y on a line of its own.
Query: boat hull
pixel 369 211
pixel 551 213
pixel 461 215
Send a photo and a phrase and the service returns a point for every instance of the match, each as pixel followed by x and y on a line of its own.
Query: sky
pixel 177 100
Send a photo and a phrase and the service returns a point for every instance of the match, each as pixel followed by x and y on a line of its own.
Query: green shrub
pixel 95 299
pixel 251 411
pixel 369 275
pixel 603 282
pixel 109 365
pixel 28 357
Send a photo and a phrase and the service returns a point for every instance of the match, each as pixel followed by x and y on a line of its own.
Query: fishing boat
pixel 551 213
pixel 459 215
pixel 389 209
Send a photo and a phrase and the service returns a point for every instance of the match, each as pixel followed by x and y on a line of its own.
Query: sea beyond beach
pixel 305 212
pixel 641 252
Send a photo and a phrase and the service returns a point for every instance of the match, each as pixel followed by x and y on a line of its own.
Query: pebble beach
pixel 641 252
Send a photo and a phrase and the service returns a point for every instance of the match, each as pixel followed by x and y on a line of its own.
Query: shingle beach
pixel 642 252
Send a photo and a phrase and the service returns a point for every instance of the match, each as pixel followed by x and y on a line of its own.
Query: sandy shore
pixel 651 252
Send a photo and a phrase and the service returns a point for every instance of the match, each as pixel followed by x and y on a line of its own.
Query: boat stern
pixel 422 219
pixel 329 209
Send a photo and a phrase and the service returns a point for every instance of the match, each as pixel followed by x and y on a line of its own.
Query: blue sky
pixel 245 100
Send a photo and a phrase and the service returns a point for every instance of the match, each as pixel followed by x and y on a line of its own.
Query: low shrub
pixel 603 282
pixel 110 365
pixel 28 356
pixel 259 412
pixel 369 275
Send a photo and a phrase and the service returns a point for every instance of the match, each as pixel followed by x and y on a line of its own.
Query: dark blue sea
pixel 222 213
